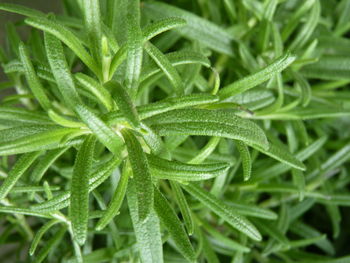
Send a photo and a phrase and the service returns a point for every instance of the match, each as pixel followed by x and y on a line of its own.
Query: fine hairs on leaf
pixel 141 174
pixel 175 131
pixel 79 199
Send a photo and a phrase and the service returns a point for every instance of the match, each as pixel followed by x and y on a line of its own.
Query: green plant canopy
pixel 176 131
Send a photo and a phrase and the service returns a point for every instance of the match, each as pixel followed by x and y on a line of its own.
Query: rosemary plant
pixel 188 131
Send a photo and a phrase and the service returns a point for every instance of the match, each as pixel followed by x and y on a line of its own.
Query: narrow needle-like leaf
pixel 184 207
pixel 66 36
pixel 40 234
pixel 96 89
pixel 79 198
pixel 97 177
pixel 105 134
pixel 246 159
pixel 257 78
pixel 124 103
pixel 218 123
pixel 224 211
pixel 116 201
pixel 33 81
pixel 161 26
pixel 147 232
pixel 166 66
pixel 141 174
pixel 60 69
pixel 50 245
pixel 134 47
pixel 44 164
pixel 16 172
pixel 170 220
pixel 93 26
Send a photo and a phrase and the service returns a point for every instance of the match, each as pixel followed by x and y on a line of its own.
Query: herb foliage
pixel 188 131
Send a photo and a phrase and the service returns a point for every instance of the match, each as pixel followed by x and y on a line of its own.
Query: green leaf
pixel 230 243
pixel 35 139
pixel 272 230
pixel 13 116
pixel 257 78
pixel 13 38
pixel 335 160
pixel 65 121
pixel 302 229
pixel 252 210
pixel 97 177
pixel 248 109
pixel 10 134
pixel 147 232
pixel 32 79
pixel 43 72
pixel 280 168
pixel 184 207
pixel 79 198
pixel 279 152
pixel 118 59
pixel 96 89
pixel 154 142
pixel 67 37
pixel 293 21
pixel 328 67
pixel 176 58
pixel 93 26
pixel 246 159
pixel 172 223
pixel 220 123
pixel 112 11
pixel 51 245
pixel 166 66
pixel 305 89
pixel 38 236
pixel 306 242
pixel 299 181
pixel 162 106
pixel 334 213
pixel 310 113
pixel 274 107
pixel 23 211
pixel 208 250
pixel 60 70
pixel 124 103
pixel 336 199
pixel 105 134
pixel 20 167
pixel 21 10
pixel 45 163
pixel 141 174
pixel 116 201
pixel 98 255
pixel 197 28
pixel 26 189
pixel 308 28
pixel 223 211
pixel 174 170
pixel 206 151
pixel 134 48
pixel 162 25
